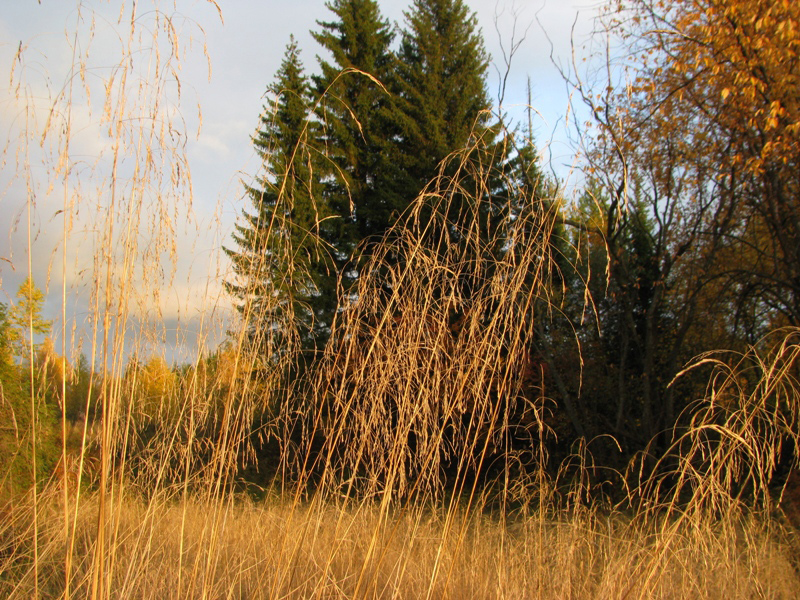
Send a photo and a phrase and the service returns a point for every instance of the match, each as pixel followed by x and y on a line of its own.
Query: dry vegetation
pixel 393 480
pixel 236 548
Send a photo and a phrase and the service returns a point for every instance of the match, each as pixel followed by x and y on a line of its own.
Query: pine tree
pixel 280 264
pixel 26 317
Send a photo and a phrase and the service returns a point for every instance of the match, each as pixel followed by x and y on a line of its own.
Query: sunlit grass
pixel 277 549
pixel 148 505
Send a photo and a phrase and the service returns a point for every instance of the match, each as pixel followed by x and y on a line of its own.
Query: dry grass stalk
pixel 393 486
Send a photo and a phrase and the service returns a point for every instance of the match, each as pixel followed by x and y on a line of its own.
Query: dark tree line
pixel 683 240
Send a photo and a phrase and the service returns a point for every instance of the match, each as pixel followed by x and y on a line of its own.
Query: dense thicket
pixel 683 239
pixel 29 401
pixel 686 232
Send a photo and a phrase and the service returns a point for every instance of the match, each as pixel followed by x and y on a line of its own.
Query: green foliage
pixel 282 266
pixel 83 394
pixel 6 337
pixel 359 129
pixel 621 280
pixel 17 422
pixel 25 317
pixel 337 180
pixel 441 78
pixel 442 107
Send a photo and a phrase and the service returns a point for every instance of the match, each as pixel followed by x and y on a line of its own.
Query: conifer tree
pixel 442 65
pixel 357 116
pixel 280 264
pixel 26 317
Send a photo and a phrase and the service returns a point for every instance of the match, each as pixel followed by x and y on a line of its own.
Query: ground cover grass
pixel 239 548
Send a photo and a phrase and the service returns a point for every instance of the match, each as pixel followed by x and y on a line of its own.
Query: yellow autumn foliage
pixel 710 119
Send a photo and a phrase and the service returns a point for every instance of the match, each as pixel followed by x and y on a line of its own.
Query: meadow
pixel 237 548
pixel 415 455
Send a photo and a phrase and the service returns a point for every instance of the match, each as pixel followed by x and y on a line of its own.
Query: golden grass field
pixel 237 548
pixel 355 511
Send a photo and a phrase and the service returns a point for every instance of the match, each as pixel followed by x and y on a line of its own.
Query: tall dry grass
pixel 170 547
pixel 400 472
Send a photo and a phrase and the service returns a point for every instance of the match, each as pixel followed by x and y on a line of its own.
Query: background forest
pixel 451 371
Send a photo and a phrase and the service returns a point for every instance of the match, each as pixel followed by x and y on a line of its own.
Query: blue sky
pixel 245 49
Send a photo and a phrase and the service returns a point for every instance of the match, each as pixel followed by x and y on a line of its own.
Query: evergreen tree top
pixel 290 76
pixel 360 39
pixel 442 56
pixel 450 26
pixel 442 99
pixel 286 119
pixel 277 244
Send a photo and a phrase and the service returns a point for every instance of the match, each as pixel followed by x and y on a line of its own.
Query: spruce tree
pixel 283 276
pixel 442 66
pixel 356 93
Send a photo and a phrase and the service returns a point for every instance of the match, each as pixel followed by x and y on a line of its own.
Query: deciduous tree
pixel 693 160
pixel 715 96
